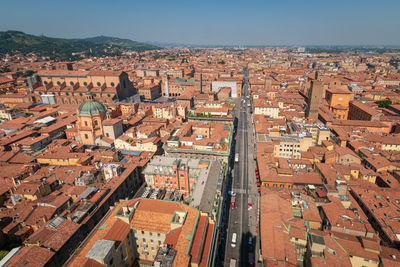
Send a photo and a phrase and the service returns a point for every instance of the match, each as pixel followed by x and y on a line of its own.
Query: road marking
pixel 239 190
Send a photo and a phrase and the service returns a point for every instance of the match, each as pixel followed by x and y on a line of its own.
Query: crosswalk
pixel 239 190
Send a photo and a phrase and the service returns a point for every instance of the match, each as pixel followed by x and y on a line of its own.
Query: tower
pixel 267 83
pixel 314 99
pixel 198 83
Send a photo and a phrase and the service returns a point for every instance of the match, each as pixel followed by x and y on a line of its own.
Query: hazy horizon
pixel 220 23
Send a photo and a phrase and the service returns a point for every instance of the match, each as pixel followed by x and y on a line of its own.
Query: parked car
pixel 234 237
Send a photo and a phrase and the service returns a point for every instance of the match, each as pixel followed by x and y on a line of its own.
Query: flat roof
pixel 206 186
pixel 100 249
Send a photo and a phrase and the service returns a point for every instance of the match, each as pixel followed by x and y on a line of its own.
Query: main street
pixel 243 218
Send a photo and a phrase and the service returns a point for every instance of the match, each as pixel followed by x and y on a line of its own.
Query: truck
pixel 236 157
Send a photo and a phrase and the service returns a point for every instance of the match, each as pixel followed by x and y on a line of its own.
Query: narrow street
pixel 243 217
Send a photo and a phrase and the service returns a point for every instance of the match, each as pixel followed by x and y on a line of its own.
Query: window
pixel 98 83
pixel 71 83
pixel 112 84
pixel 58 83
pixel 86 136
pixel 96 123
pixel 86 123
pixel 107 134
pixel 45 82
pixel 85 83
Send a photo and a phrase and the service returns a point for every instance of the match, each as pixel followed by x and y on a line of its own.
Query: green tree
pixel 3 253
pixel 28 73
pixel 384 103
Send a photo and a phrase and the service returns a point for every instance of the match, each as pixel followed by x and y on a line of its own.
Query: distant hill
pixel 59 48
pixel 123 43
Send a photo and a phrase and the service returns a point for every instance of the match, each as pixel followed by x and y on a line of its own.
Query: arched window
pixel 71 83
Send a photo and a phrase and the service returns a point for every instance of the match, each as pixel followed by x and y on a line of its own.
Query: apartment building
pixel 175 173
pixel 149 233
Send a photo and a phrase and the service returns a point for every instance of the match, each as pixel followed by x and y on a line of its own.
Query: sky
pixel 214 22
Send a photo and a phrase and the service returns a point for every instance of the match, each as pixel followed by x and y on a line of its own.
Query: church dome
pixel 91 108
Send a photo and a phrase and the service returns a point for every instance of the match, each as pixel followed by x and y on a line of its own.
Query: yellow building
pixel 64 159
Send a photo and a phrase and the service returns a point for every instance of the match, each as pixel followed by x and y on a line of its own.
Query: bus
pixel 236 157
pixel 233 202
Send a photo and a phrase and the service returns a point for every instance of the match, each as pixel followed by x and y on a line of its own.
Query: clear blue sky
pixel 252 22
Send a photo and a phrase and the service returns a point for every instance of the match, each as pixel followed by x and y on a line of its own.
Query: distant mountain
pixel 59 48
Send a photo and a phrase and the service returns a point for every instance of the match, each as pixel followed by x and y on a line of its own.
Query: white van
pixel 234 236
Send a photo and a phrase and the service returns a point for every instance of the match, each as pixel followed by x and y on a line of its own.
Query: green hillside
pixel 59 48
